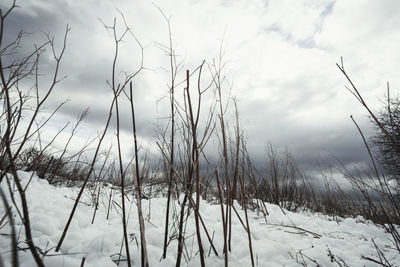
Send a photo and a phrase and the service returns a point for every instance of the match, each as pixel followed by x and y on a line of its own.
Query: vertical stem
pixel 12 226
pixel 180 235
pixel 122 183
pixel 145 262
pixel 237 149
pixel 227 175
pixel 221 201
pixel 241 180
pixel 96 204
pixel 109 204
pixel 195 162
pixel 171 167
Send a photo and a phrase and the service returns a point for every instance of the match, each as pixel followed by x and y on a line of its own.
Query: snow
pixel 282 238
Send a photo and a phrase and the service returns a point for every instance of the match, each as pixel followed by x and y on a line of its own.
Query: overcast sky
pixel 281 58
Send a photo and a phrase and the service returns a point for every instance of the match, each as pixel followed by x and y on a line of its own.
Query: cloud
pixel 280 58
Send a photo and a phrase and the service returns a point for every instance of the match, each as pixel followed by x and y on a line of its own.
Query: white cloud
pixel 299 20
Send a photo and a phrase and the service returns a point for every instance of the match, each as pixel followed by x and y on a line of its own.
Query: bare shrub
pixel 386 210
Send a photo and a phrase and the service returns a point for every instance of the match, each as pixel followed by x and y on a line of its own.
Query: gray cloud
pixel 281 57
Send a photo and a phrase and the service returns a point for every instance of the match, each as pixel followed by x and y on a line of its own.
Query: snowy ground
pixel 290 239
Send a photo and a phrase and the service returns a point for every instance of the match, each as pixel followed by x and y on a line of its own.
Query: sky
pixel 280 60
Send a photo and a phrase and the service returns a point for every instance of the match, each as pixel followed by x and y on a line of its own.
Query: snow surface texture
pixel 290 239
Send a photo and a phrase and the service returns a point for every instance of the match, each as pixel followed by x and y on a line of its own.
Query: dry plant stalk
pixel 174 71
pixel 195 166
pixel 122 175
pixel 388 211
pixel 224 225
pixel 136 179
pixel 218 82
pixel 8 213
pixel 240 141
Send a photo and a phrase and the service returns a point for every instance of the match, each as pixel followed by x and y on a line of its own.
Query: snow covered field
pixel 282 238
